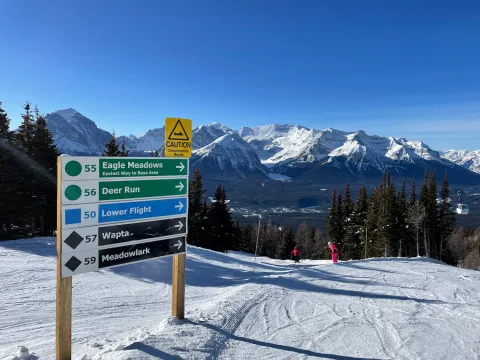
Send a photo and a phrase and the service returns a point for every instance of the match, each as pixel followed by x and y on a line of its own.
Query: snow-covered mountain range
pixel 468 159
pixel 267 151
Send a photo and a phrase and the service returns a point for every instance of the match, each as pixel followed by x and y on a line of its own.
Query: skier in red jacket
pixel 334 251
pixel 296 254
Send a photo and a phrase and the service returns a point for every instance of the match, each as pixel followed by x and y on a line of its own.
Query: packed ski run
pixel 391 308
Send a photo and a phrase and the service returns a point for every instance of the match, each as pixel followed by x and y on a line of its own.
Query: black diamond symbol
pixel 73 263
pixel 73 240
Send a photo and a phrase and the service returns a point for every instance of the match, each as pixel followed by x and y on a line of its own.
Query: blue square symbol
pixel 73 216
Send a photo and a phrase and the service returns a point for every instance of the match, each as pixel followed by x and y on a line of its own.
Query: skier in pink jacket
pixel 334 251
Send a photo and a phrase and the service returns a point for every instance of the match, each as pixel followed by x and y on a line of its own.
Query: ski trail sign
pixel 178 138
pixel 113 211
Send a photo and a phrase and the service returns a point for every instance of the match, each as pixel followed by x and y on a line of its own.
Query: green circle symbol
pixel 73 192
pixel 73 168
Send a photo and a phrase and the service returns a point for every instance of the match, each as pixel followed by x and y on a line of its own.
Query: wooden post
pixel 64 286
pixel 178 286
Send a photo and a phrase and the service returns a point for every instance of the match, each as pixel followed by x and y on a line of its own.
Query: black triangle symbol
pixel 179 134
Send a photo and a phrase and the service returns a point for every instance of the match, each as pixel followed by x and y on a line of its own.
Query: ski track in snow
pixel 373 309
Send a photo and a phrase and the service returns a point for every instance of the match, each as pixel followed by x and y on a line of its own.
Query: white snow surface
pixel 468 159
pixel 394 308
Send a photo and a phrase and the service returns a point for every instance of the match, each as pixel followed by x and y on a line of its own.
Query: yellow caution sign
pixel 178 137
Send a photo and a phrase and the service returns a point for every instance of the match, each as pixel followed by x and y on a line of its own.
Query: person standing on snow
pixel 296 254
pixel 334 251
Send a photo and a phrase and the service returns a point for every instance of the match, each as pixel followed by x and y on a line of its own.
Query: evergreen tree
pixel 24 136
pixel 7 176
pixel 432 213
pixel 401 209
pixel 413 195
pixel 424 200
pixel 355 232
pixel 45 154
pixel 123 151
pixel 340 226
pixel 29 174
pixel 288 244
pixel 347 204
pixel 373 246
pixel 312 250
pixel 301 239
pixel 222 232
pixel 4 124
pixel 196 216
pixel 386 221
pixel 446 216
pixel 332 218
pixel 247 244
pixel 111 148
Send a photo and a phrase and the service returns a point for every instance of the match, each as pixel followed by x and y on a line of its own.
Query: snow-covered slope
pixel 468 159
pixel 229 156
pixel 264 138
pixel 394 308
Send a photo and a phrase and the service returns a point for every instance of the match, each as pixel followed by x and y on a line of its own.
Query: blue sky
pixel 401 68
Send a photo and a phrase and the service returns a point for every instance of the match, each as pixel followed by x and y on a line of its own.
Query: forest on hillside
pixel 385 223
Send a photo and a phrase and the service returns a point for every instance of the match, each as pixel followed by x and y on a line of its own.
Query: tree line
pixel 28 166
pixel 387 223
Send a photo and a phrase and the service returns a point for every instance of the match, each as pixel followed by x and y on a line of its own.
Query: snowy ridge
pixel 289 150
pixel 468 159
pixel 229 153
pixel 387 308
pixel 75 134
pixel 206 134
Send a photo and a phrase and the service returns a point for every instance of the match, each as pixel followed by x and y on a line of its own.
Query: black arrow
pixel 73 240
pixel 116 234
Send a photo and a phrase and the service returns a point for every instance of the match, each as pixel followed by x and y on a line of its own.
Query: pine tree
pixel 196 218
pixel 222 232
pixel 424 200
pixel 446 216
pixel 373 248
pixel 355 233
pixel 7 176
pixel 413 194
pixel 386 223
pixel 332 218
pixel 347 204
pixel 45 154
pixel 123 151
pixel 27 182
pixel 4 124
pixel 340 225
pixel 111 148
pixel 25 134
pixel 246 244
pixel 301 239
pixel 311 251
pixel 410 240
pixel 432 213
pixel 288 244
pixel 401 210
